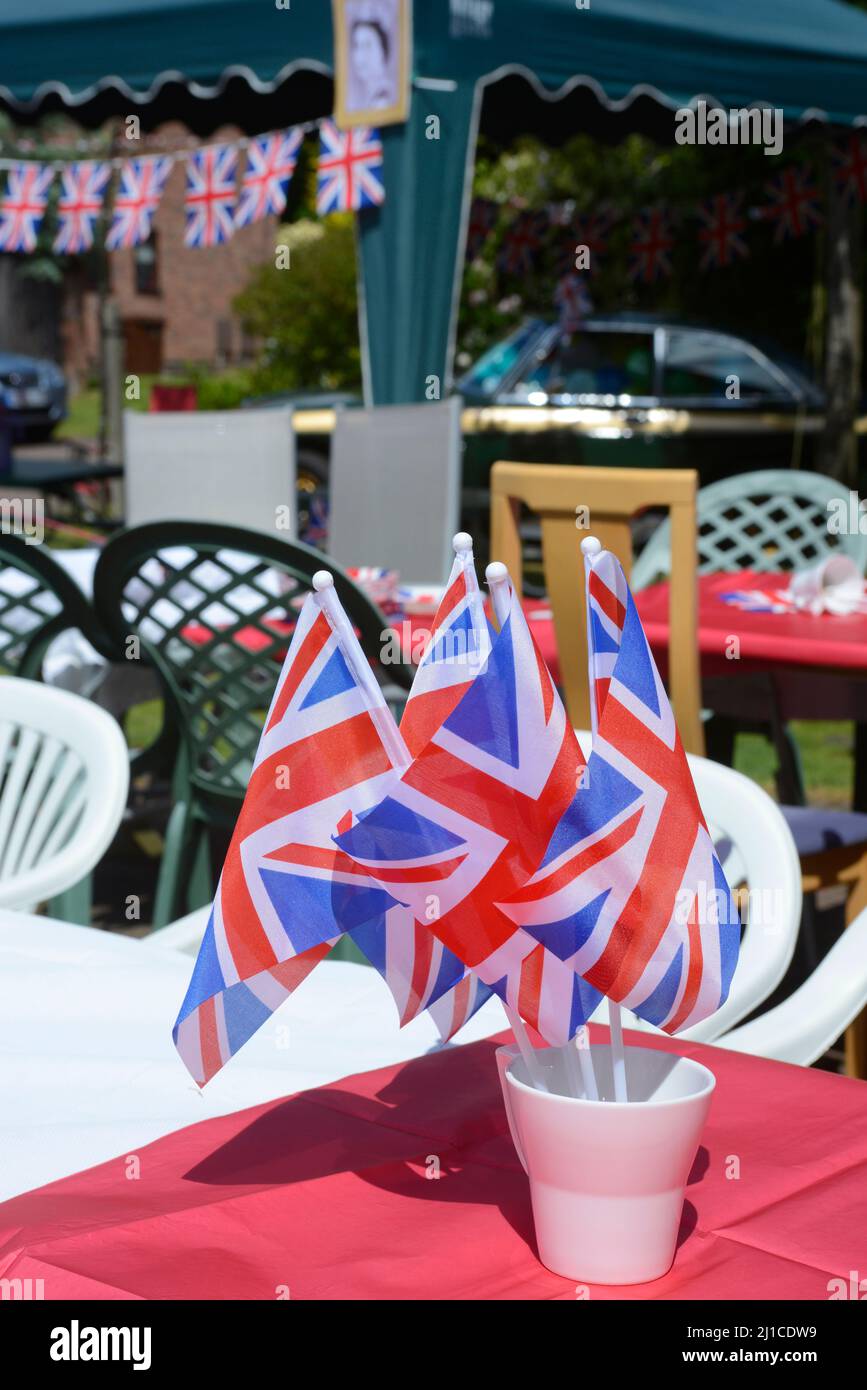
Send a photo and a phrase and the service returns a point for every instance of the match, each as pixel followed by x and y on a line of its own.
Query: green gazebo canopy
pixel 538 64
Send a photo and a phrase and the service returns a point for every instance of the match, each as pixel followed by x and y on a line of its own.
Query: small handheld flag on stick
pixel 498 583
pixel 329 751
pixel 589 548
pixel 631 891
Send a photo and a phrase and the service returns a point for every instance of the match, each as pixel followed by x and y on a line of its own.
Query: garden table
pixel 402 1183
pixel 803 665
pixel 89 1069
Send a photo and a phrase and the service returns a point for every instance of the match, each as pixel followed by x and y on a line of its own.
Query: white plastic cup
pixel 834 585
pixel 607 1178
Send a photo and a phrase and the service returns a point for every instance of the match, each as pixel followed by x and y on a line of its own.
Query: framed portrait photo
pixel 372 61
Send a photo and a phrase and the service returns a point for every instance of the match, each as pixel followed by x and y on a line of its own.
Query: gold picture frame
pixel 372 62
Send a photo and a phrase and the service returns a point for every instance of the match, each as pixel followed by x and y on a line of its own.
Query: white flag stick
pixel 528 1051
pixel 589 548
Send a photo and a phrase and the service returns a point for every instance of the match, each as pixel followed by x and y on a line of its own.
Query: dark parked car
pixel 637 390
pixel 32 395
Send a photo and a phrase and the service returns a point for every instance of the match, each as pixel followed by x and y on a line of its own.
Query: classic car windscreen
pixel 593 364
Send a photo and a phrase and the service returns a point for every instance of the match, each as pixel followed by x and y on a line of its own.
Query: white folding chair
pixel 64 776
pixel 756 849
pixel 234 467
pixel 394 489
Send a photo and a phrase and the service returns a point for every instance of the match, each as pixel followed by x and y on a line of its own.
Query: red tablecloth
pixel 798 639
pixel 326 1195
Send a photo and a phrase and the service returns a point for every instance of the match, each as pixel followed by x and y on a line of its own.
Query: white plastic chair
pixel 64 776
pixel 756 848
pixel 805 1025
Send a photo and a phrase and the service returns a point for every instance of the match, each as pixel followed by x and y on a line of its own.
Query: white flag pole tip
pixel 462 542
pixel 496 573
pixel 322 580
pixel 590 546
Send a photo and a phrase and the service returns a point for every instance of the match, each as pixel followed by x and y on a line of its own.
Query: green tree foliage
pixel 769 294
pixel 306 315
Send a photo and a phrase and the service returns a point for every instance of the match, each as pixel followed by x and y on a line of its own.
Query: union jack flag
pixel 458 648
pixel 588 229
pixel 271 161
pixel 469 821
pixel 328 753
pixel 760 600
pixel 522 243
pixel 630 891
pixel 210 197
pixel 419 970
pixel 794 205
pixel 350 169
pixel 850 166
pixel 651 246
pixel 483 217
pixel 80 203
pixel 141 186
pixel 720 233
pixel 23 206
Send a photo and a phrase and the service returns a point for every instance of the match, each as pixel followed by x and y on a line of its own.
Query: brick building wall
pixel 186 315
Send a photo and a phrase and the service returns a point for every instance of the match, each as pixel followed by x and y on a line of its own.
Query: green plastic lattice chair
pixel 766 521
pixel 38 601
pixel 214 609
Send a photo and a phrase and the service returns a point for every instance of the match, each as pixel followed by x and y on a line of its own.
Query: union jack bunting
pixel 483 218
pixel 210 196
pixel 350 169
pixel 458 648
pixel 286 895
pixel 630 891
pixel 141 186
pixel 79 205
pixel 522 243
pixel 850 166
pixel 651 246
pixel 794 203
pixel 23 206
pixel 469 820
pixel 720 232
pixel 271 161
pixel 588 229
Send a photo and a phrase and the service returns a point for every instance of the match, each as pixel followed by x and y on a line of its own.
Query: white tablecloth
pixel 88 1070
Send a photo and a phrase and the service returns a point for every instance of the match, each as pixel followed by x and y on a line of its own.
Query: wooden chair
pixel 611 496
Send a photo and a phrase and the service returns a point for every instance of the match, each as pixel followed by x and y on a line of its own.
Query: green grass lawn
pixel 82 422
pixel 827 755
